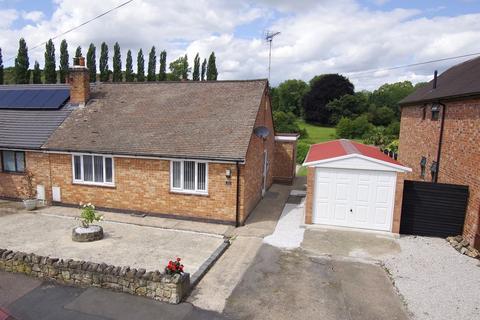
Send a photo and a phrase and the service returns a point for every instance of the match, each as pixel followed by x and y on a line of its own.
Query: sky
pixel 316 36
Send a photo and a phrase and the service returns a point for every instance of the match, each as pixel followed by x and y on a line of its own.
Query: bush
pixel 393 129
pixel 302 150
pixel 392 146
pixel 352 129
pixel 89 215
pixel 345 128
pixel 378 136
pixel 286 122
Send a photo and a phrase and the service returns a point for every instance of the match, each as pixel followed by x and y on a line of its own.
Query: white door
pixel 354 198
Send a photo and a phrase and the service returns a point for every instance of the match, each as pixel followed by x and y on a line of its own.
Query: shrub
pixel 174 267
pixel 286 122
pixel 302 150
pixel 393 146
pixel 393 129
pixel 378 136
pixel 345 128
pixel 351 129
pixel 89 215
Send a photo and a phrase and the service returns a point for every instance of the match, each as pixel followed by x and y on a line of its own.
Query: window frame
pixel 182 166
pixel 15 161
pixel 93 182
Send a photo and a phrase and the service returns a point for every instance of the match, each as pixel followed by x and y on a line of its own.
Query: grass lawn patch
pixel 302 172
pixel 316 134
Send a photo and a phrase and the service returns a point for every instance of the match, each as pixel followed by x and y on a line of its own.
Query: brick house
pixel 440 137
pixel 194 150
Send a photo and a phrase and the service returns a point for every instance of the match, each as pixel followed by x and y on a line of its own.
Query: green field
pixel 316 133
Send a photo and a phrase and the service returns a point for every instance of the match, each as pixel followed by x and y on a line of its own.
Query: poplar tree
pixel 104 72
pixel 212 67
pixel 152 65
pixel 204 68
pixel 196 68
pixel 1 67
pixel 49 69
pixel 129 77
pixel 22 75
pixel 92 62
pixel 117 63
pixel 185 68
pixel 37 74
pixel 140 66
pixel 63 69
pixel 78 52
pixel 162 75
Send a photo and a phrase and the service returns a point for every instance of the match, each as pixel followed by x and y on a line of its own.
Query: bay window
pixel 92 169
pixel 13 161
pixel 189 176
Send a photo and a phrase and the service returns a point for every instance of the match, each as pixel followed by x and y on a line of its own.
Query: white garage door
pixel 354 198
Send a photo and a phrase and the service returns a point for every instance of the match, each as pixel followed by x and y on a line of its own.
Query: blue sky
pixel 317 36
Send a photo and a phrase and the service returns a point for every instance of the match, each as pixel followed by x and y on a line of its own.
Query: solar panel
pixel 49 98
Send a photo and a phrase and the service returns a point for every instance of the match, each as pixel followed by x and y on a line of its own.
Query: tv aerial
pixel 269 35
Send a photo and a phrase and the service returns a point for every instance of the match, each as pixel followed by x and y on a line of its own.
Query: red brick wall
pixel 459 162
pixel 13 185
pixel 252 172
pixel 310 195
pixel 284 165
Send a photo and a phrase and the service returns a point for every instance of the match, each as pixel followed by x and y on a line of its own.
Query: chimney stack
pixel 435 75
pixel 79 81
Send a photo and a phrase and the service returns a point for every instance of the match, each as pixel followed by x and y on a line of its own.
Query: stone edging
pixel 153 284
pixel 463 246
pixel 208 264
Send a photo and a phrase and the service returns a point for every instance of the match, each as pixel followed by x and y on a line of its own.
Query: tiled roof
pixel 205 120
pixel 462 80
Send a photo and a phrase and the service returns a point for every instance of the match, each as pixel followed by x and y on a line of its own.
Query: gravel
pixel 435 280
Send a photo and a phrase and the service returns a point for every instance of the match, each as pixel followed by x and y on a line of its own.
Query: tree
pixel 381 116
pixel 204 69
pixel 78 52
pixel 129 76
pixel 140 66
pixel 162 75
pixel 92 62
pixel 152 65
pixel 351 129
pixel 349 106
pixel 179 69
pixel 117 63
pixel 1 67
pixel 287 97
pixel 49 70
pixel 212 67
pixel 390 94
pixel 37 73
pixel 324 89
pixel 63 69
pixel 286 122
pixel 22 75
pixel 196 68
pixel 104 72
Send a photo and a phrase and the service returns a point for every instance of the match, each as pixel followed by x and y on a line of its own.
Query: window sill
pixel 15 173
pixel 93 184
pixel 189 193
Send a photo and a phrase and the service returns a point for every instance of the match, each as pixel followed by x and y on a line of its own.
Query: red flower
pixel 178 259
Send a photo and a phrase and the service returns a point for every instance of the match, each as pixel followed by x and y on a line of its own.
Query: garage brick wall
pixel 460 154
pixel 310 194
pixel 284 165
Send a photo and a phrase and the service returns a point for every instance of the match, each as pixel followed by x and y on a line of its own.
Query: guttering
pixel 440 140
pixel 237 212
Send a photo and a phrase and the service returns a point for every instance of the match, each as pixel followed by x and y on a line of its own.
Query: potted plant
pixel 174 267
pixel 30 201
pixel 88 231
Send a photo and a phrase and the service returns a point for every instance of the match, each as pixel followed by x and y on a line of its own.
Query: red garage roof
pixel 343 147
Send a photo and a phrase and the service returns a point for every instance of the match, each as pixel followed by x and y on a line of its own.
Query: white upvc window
pixel 93 169
pixel 188 176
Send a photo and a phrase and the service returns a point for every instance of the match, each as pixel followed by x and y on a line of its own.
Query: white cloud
pixel 316 36
pixel 33 16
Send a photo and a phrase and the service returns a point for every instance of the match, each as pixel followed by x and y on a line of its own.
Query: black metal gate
pixel 433 209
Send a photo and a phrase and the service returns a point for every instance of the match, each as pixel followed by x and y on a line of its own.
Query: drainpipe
pixel 440 140
pixel 237 213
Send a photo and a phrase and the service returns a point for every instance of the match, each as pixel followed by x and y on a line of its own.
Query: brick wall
pixel 252 172
pixel 459 162
pixel 12 185
pixel 284 165
pixel 310 194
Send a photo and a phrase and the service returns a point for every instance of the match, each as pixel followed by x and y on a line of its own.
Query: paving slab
pixel 124 244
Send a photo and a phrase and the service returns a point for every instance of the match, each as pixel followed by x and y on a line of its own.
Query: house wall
pixel 460 153
pixel 252 171
pixel 284 165
pixel 144 185
pixel 13 185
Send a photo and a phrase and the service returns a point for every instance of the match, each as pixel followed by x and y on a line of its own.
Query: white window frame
pixel 93 183
pixel 181 189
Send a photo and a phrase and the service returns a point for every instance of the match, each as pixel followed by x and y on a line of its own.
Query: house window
pixel 92 169
pixel 435 112
pixel 13 161
pixel 189 176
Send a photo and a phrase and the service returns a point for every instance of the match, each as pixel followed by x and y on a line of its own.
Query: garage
pixel 351 185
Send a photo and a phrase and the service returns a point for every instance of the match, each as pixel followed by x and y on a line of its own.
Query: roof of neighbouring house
pixel 341 148
pixel 204 120
pixel 461 80
pixel 30 113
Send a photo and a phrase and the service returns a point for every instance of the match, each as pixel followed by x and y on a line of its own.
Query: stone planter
pixel 92 233
pixel 30 204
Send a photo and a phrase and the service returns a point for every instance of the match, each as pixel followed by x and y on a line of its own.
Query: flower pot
pixel 92 233
pixel 30 204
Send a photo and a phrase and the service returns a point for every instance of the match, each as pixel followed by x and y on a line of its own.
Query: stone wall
pixel 155 285
pixel 460 152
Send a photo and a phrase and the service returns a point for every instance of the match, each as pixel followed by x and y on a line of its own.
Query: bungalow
pixel 196 150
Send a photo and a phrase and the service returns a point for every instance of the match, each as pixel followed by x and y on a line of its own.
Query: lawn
pixel 316 133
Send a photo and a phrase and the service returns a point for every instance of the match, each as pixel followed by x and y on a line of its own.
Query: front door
pixel 265 172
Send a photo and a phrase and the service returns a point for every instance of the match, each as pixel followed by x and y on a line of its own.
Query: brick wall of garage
pixel 284 165
pixel 13 185
pixel 460 152
pixel 144 185
pixel 310 194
